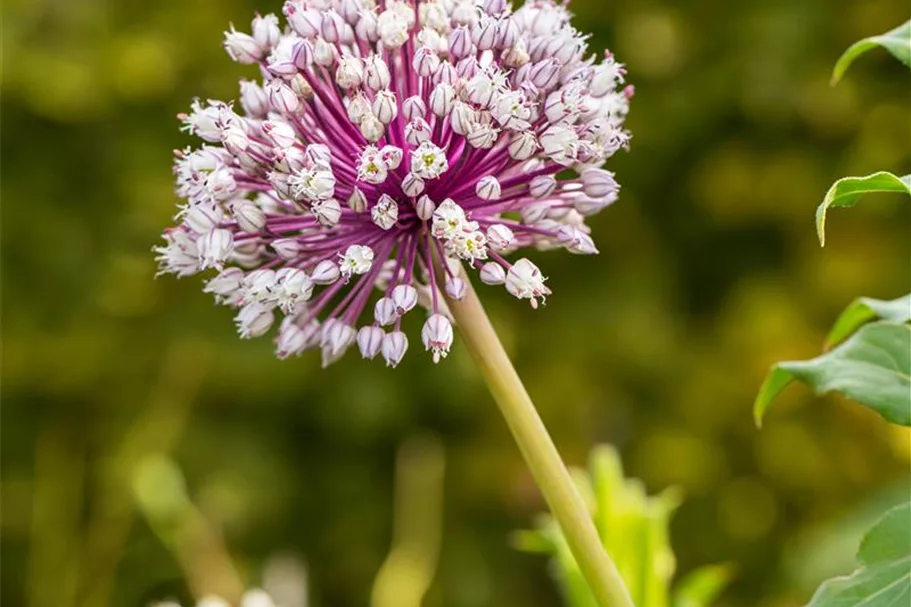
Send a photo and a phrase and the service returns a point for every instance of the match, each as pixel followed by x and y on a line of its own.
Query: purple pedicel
pixel 380 137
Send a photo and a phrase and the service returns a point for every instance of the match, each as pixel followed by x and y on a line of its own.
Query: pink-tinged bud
pixel 385 212
pixel 599 183
pixel 331 26
pixel 282 98
pixel 226 286
pixel 367 27
pixel 357 202
pixel 488 188
pixel 305 22
pixel 253 99
pixel 413 108
pixel 280 133
pixel 405 297
pixel 287 248
pixel 524 281
pixel 425 208
pixel 437 336
pixel 242 48
pixel 336 337
pixel 484 33
pixel 253 320
pixel 325 273
pixel 266 31
pixel 441 99
pixel 533 213
pixel 370 341
pixel 493 273
pixel 412 185
pixel 445 73
pixel 327 212
pixel 500 237
pixel 376 73
pixel 350 11
pixel 395 344
pixel 384 311
pixel 214 247
pixel 576 241
pixel 235 140
pixel 203 217
pixel 425 62
pixel 523 146
pixel 542 185
pixel 545 74
pixel 371 128
pixel 494 7
pixel 460 44
pixel 292 341
pixel 592 206
pixel 302 54
pixel 467 68
pixel 417 132
pixel 456 287
pixel 391 156
pixel 508 34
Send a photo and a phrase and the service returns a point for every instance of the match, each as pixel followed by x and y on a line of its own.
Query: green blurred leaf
pixel 873 367
pixel 848 191
pixel 863 310
pixel 884 578
pixel 702 586
pixel 897 42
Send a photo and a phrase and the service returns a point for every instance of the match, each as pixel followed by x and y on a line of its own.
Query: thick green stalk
pixel 539 451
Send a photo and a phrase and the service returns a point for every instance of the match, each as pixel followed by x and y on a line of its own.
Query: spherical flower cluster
pixel 387 144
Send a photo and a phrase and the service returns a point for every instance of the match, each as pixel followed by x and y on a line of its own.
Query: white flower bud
pixel 280 133
pixel 306 22
pixel 324 53
pixel 242 48
pixel 392 29
pixel 226 286
pixel 413 107
pixel 598 183
pixel 369 341
pixel 366 28
pixel 327 212
pixel 484 33
pixel 405 297
pixel 331 26
pixel 437 336
pixel 395 344
pixel 522 146
pixel 493 273
pixel 533 213
pixel 462 118
pixel 248 215
pixel 357 202
pixel 576 241
pixel 385 212
pixel 445 74
pixel 425 62
pixel 488 188
pixel 336 338
pixel 500 237
pixel 591 206
pixel 371 128
pixel 326 272
pixel 542 185
pixel 460 44
pixel 441 99
pixel 384 311
pixel 545 74
pixel 358 107
pixel 287 248
pixel 253 320
pixel 349 73
pixel 201 218
pixel 292 341
pixel 266 31
pixel 253 99
pixel 235 140
pixel 456 287
pixel 214 247
pixel 385 107
pixel 260 285
pixel 425 208
pixel 281 97
pixel 412 185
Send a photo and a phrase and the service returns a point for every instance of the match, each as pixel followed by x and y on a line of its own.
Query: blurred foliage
pixel 707 275
pixel 633 528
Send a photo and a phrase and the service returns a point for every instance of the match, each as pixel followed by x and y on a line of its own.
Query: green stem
pixel 539 451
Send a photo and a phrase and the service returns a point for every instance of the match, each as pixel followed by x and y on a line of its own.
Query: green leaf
pixel 848 191
pixel 873 367
pixel 702 586
pixel 863 310
pixel 897 42
pixel 884 578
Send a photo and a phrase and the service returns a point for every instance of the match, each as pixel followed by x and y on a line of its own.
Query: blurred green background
pixel 709 272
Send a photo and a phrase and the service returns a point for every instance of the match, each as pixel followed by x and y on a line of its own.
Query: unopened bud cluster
pixel 383 136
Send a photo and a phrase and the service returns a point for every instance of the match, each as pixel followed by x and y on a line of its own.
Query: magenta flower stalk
pixel 389 145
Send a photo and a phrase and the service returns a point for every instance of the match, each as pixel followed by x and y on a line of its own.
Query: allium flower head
pixel 384 136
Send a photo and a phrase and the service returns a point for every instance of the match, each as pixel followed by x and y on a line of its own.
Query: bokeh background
pixel 709 271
